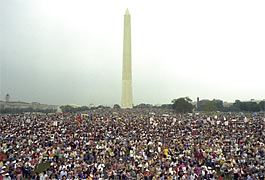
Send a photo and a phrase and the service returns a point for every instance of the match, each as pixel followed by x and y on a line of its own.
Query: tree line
pixel 180 105
pixel 71 109
pixel 184 105
pixel 239 106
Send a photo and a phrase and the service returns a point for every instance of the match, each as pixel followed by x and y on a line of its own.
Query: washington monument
pixel 126 97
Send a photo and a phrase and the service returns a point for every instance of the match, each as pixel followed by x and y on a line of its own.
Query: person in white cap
pixel 7 176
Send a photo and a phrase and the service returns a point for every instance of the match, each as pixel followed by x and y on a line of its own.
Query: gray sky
pixel 59 52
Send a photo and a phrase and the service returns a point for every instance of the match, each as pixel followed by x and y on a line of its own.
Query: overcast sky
pixel 70 52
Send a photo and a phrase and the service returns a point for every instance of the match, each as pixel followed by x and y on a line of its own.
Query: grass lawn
pixel 40 168
pixel 225 178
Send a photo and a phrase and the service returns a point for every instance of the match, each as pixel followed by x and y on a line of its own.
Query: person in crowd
pixel 132 144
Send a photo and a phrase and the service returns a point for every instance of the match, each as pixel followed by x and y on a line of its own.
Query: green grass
pixel 40 168
pixel 225 178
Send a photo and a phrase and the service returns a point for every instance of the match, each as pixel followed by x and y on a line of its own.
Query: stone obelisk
pixel 126 97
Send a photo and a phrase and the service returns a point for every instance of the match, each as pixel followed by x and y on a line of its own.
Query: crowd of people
pixel 132 144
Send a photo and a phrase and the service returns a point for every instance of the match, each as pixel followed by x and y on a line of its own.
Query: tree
pixel 163 106
pixel 248 106
pixel 209 106
pixel 116 106
pixel 262 105
pixel 182 105
pixel 142 105
pixel 237 104
pixel 67 108
pixel 219 104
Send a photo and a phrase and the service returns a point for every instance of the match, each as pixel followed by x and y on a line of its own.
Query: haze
pixel 70 52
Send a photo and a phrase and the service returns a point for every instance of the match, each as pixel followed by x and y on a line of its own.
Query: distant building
pixel 197 102
pixel 59 110
pixel 23 105
pixel 91 105
pixel 142 105
pixel 7 97
pixel 227 104
pixel 72 105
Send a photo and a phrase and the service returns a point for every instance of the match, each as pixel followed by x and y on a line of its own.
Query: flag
pixel 78 120
pixel 246 120
pixel 91 117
